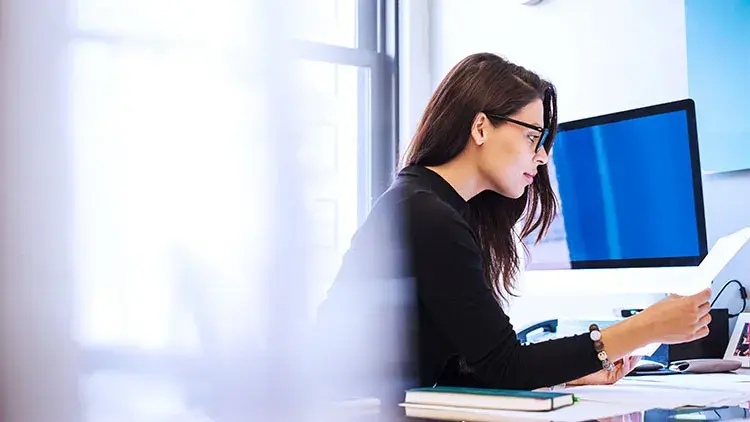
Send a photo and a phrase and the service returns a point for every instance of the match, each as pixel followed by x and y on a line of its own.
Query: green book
pixel 486 398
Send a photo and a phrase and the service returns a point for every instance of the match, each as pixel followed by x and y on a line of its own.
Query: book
pixel 444 413
pixel 486 398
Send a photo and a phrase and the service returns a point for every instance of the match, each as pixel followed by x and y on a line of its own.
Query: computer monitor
pixel 631 215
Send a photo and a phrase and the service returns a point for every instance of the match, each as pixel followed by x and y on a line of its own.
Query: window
pixel 168 99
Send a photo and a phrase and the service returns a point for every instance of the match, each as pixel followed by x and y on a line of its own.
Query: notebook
pixel 483 398
pixel 464 414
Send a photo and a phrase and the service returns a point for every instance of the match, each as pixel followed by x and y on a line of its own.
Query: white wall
pixel 603 57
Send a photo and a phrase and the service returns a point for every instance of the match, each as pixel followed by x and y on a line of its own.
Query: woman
pixel 476 167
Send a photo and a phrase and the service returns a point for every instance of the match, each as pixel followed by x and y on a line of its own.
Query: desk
pixel 643 399
pixel 587 412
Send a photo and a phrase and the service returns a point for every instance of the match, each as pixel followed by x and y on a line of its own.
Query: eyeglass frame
pixel 543 131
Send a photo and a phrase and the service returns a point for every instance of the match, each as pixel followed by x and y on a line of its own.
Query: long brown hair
pixel 487 83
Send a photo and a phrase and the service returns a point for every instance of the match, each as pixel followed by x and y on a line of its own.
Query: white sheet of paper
pixel 718 257
pixel 654 395
pixel 727 381
pixel 646 350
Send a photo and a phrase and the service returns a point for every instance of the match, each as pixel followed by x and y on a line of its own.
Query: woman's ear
pixel 479 128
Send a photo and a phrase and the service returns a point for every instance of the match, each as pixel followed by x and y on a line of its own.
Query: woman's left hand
pixel 622 368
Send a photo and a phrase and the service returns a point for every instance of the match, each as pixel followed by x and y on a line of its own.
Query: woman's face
pixel 508 159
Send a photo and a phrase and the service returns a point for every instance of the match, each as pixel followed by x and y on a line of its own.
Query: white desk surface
pixel 630 397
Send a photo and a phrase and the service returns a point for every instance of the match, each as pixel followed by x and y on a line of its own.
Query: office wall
pixel 603 57
pixel 718 52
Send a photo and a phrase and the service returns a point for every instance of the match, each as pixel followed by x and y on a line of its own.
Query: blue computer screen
pixel 626 193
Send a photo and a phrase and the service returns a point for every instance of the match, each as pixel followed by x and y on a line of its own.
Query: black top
pixel 416 232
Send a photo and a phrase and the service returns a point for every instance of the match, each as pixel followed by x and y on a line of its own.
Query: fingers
pixel 699 333
pixel 621 369
pixel 702 323
pixel 705 320
pixel 702 332
pixel 702 297
pixel 629 363
pixel 704 307
pixel 700 328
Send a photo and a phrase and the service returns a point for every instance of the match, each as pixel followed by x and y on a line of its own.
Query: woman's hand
pixel 678 319
pixel 622 368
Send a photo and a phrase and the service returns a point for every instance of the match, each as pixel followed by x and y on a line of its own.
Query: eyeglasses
pixel 543 131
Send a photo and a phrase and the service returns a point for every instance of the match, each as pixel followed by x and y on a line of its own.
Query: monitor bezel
pixel 688 106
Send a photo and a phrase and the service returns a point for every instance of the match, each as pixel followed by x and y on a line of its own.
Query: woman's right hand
pixel 679 319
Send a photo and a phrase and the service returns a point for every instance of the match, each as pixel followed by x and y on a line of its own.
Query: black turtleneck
pixel 416 232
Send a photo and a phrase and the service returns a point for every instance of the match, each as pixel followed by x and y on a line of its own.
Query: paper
pixel 729 382
pixel 654 395
pixel 725 389
pixel 718 257
pixel 646 350
pixel 726 381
